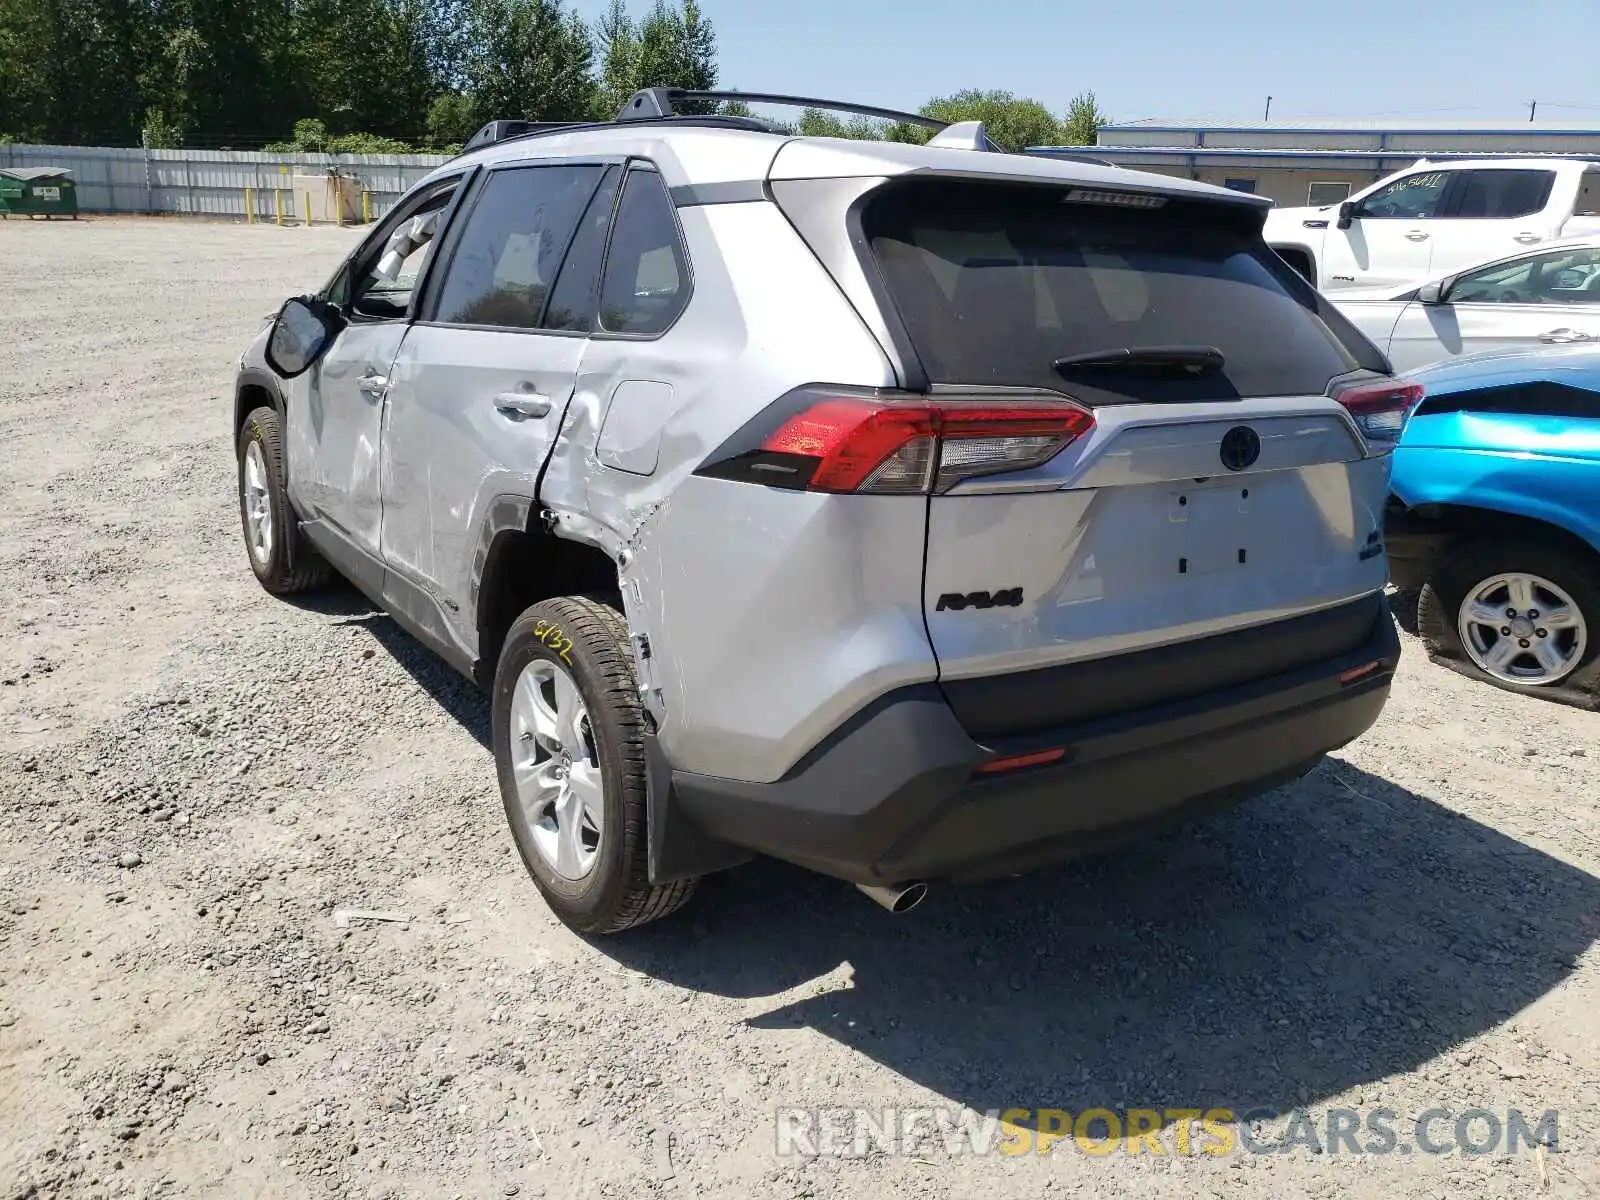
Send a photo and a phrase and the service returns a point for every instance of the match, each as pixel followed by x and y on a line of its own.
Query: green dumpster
pixel 38 191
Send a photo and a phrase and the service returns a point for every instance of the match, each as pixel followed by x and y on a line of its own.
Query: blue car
pixel 1494 518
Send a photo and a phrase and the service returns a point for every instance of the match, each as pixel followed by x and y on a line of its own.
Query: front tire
pixel 569 751
pixel 281 558
pixel 1523 612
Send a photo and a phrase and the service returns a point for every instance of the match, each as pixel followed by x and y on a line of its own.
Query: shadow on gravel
pixel 458 696
pixel 1332 933
pixel 338 599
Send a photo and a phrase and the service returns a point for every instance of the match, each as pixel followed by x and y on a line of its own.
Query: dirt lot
pixel 195 777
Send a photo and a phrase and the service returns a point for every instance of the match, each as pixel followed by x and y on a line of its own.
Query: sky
pixel 1477 59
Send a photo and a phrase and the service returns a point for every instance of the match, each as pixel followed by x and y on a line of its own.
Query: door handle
pixel 1527 239
pixel 1416 235
pixel 519 405
pixel 1562 337
pixel 372 385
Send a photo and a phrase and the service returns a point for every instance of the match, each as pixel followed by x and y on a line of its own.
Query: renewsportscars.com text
pixel 844 1132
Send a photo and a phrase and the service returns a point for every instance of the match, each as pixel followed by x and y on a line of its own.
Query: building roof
pixel 29 174
pixel 1391 124
pixel 1200 153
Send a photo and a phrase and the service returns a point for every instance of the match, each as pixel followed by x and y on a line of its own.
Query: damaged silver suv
pixel 911 513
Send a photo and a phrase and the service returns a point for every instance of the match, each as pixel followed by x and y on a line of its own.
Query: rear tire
pixel 1557 584
pixel 569 751
pixel 283 561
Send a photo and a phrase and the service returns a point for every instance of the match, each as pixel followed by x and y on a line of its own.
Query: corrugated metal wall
pixel 213 182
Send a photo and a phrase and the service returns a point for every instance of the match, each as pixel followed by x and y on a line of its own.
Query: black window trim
pixel 374 242
pixel 598 331
pixel 1456 193
pixel 427 310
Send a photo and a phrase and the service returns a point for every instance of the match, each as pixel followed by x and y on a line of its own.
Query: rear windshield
pixel 995 283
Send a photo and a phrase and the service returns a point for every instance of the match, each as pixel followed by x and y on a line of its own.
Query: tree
pixel 69 69
pixel 237 83
pixel 26 108
pixel 617 42
pixel 158 132
pixel 364 64
pixel 450 119
pixel 816 122
pixel 1084 118
pixel 1013 122
pixel 667 48
pixel 528 60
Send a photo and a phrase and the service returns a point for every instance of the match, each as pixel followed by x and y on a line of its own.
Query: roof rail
pixel 655 103
pixel 499 131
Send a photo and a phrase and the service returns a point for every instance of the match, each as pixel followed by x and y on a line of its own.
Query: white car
pixel 1437 217
pixel 1547 296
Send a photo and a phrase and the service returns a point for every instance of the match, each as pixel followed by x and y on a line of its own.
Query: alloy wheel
pixel 1522 628
pixel 556 765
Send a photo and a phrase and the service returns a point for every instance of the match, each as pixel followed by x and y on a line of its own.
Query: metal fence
pixel 224 183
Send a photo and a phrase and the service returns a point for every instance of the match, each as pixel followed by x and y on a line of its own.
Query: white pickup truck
pixel 1436 216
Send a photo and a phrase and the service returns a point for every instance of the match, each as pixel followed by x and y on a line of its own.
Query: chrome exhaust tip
pixel 896 897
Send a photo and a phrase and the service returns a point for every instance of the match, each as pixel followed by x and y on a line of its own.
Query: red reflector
pixel 1017 761
pixel 1361 672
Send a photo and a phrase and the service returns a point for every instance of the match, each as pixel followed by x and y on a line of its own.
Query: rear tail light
pixel 886 443
pixel 1380 408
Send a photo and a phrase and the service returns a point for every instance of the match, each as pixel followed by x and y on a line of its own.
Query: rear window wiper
pixel 1195 359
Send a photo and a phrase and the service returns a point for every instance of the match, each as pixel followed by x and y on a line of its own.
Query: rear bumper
pixel 894 796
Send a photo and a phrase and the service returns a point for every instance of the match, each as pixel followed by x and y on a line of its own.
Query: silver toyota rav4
pixel 910 513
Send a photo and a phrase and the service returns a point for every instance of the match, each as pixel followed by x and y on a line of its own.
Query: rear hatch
pixel 1219 488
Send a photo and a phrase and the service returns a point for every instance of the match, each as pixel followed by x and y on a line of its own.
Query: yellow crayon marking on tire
pixel 553 636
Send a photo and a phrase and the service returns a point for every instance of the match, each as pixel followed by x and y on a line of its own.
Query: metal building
pixel 1303 161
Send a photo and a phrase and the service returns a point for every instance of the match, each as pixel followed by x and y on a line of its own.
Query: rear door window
pixel 1501 195
pixel 995 283
pixel 512 245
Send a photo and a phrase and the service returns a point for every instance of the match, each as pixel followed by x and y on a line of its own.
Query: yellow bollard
pixel 366 207
pixel 308 210
pixel 249 206
pixel 277 204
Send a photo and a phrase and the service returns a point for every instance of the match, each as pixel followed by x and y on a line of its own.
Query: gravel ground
pixel 195 779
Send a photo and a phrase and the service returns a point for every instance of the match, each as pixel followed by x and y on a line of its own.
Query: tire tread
pixel 310 570
pixel 604 632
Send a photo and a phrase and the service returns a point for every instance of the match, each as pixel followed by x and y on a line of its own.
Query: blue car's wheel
pixel 1522 612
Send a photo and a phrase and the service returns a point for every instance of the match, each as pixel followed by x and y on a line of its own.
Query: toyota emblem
pixel 1241 446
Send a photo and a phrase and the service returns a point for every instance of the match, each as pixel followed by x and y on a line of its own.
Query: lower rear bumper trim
pixel 897 795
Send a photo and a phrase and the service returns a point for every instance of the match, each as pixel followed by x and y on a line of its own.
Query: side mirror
pixel 1431 293
pixel 301 332
pixel 1347 214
